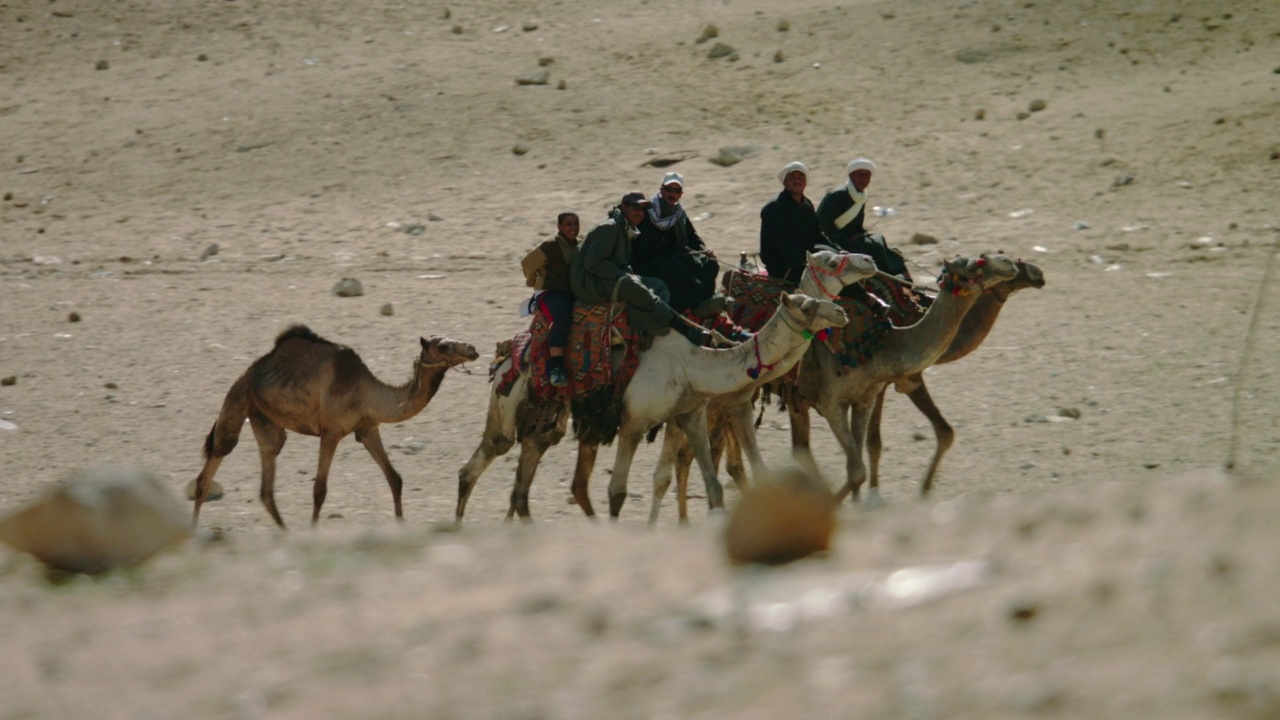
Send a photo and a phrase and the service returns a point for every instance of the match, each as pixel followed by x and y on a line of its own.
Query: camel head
pixel 812 314
pixel 1029 276
pixel 964 276
pixel 443 351
pixel 829 271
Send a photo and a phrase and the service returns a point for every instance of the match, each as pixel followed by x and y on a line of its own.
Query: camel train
pixel 701 399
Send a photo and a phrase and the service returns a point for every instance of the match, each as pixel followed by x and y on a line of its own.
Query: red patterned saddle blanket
pixel 589 356
pixel 755 296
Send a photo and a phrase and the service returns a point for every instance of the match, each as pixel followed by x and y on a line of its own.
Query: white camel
pixel 826 273
pixel 846 397
pixel 672 383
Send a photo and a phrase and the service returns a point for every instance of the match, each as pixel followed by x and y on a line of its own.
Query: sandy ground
pixel 1089 567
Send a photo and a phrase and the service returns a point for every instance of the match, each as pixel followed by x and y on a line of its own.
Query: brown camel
pixel 975 326
pixel 973 330
pixel 315 387
pixel 846 396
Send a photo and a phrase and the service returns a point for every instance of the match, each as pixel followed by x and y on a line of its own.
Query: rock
pixel 780 519
pixel 9 380
pixel 779 57
pixel 98 520
pixel 529 26
pixel 73 317
pixel 415 228
pixel 720 50
pixel 348 287
pixel 784 25
pixel 101 65
pixel 708 32
pixel 432 217
pixel 215 491
pixel 545 60
pixel 387 310
pixel 538 77
pixel 209 252
pixel 562 85
pixel 1036 105
pixel 1069 412
pixel 980 114
pixel 923 239
pixel 733 155
pixel 519 149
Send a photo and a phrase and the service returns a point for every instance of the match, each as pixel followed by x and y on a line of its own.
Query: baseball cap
pixel 673 178
pixel 637 199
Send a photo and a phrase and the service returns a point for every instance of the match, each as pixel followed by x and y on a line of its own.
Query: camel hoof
pixel 873 499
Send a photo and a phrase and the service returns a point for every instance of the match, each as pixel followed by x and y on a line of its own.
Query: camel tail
pixel 222 439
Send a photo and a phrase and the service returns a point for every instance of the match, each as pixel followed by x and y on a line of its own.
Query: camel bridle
pixel 838 272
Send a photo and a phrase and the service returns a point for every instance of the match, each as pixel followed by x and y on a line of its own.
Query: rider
pixel 789 226
pixel 669 248
pixel 602 268
pixel 547 271
pixel 840 217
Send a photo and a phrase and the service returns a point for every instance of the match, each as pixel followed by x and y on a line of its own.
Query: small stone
pixel 101 65
pixel 980 114
pixel 519 149
pixel 529 26
pixel 562 85
pixel 537 77
pixel 784 25
pixel 545 61
pixel 708 32
pixel 9 380
pixel 432 217
pixel 415 229
pixel 1125 179
pixel 111 386
pixel 1099 133
pixel 348 287
pixel 1069 412
pixel 73 317
pixel 202 57
pixel 923 239
pixel 1023 115
pixel 456 29
pixel 1035 418
pixel 387 310
pixel 1023 610
pixel 1036 105
pixel 779 57
pixel 209 252
pixel 720 50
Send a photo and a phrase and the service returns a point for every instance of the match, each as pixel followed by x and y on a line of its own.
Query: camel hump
pixel 301 332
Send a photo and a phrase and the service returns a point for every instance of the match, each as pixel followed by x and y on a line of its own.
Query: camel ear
pixel 811 307
pixel 808 257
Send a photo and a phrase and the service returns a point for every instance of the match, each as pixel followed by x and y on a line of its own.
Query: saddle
pixel 602 352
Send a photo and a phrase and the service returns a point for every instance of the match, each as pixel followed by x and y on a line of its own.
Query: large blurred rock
pixel 784 516
pixel 97 520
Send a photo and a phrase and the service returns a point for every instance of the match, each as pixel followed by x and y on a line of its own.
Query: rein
pixel 816 270
pixel 761 367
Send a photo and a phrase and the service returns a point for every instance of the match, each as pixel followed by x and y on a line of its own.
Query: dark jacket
pixel 559 251
pixel 604 256
pixel 788 229
pixel 833 205
pixel 655 246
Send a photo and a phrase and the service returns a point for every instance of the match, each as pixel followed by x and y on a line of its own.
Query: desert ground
pixel 182 181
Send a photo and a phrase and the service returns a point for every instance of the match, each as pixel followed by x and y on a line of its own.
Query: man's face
pixel 671 193
pixel 795 182
pixel 860 179
pixel 570 227
pixel 633 213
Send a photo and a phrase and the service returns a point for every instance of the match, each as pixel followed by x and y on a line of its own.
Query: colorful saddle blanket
pixel 755 296
pixel 588 356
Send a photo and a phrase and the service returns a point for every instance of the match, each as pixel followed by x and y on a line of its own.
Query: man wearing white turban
pixel 840 217
pixel 789 226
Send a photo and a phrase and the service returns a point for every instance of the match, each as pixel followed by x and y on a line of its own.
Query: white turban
pixel 792 167
pixel 859 164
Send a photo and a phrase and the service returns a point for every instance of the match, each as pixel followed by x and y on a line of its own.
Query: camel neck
pixel 399 403
pixel 913 348
pixel 772 352
pixel 975 325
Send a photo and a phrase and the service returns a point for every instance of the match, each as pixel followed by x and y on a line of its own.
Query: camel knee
pixel 946 437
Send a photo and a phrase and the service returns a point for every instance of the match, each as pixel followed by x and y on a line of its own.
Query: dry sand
pixel 1092 566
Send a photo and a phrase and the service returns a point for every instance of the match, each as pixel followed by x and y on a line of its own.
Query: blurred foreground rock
pixel 98 520
pixel 785 516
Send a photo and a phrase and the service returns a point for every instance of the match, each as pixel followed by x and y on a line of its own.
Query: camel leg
pixel 695 427
pixel 942 431
pixel 498 438
pixel 320 485
pixel 743 436
pixel 532 448
pixel 733 462
pixel 582 476
pixel 849 424
pixel 628 443
pixel 800 432
pixel 270 437
pixel 684 460
pixel 875 444
pixel 222 439
pixel 372 441
pixel 672 439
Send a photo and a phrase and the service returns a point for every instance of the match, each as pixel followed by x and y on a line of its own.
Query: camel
pixel 729 416
pixel 846 397
pixel 315 387
pixel 975 326
pixel 673 381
